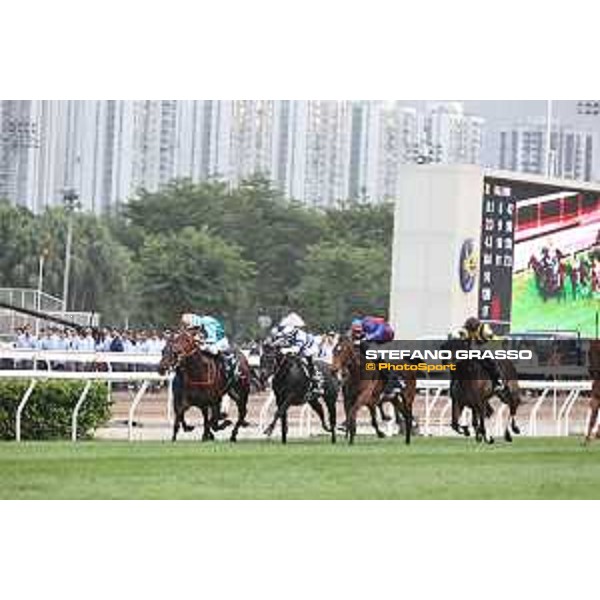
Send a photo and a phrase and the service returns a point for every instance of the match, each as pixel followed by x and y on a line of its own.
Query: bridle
pixel 174 354
pixel 349 360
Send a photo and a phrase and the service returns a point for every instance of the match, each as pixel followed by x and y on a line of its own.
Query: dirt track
pixel 151 417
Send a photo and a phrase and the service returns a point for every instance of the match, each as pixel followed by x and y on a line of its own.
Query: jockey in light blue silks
pixel 213 339
pixel 291 335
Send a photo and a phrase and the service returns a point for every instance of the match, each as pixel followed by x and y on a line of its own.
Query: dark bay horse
pixel 359 393
pixel 292 387
pixel 471 387
pixel 203 384
pixel 594 362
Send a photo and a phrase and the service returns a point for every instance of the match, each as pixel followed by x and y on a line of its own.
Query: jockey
pixel 290 333
pixel 377 330
pixel 371 329
pixel 474 331
pixel 213 339
pixel 356 331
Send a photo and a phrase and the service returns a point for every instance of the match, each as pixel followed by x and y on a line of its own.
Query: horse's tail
pixel 245 374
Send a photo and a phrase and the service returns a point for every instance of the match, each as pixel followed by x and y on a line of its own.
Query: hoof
pixel 516 430
pixel 507 436
pixel 188 428
pixel 245 423
pixel 380 435
pixel 490 440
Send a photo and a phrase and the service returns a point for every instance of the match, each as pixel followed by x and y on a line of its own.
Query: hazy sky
pixel 509 111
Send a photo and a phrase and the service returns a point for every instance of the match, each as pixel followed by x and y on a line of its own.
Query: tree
pixel 341 280
pixel 192 270
pixel 361 224
pixel 18 259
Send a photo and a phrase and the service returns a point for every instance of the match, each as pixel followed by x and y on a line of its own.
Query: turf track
pixel 540 468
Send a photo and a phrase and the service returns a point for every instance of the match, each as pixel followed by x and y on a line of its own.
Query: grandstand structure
pixel 34 299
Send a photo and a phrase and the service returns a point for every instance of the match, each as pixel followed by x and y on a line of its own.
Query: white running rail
pixel 145 378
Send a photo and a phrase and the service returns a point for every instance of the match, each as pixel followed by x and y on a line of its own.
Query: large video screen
pixel 556 270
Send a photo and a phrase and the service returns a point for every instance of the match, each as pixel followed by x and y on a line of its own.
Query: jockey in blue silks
pixel 372 329
pixel 290 334
pixel 377 330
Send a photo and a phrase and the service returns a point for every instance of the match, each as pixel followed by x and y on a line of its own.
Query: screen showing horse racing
pixel 556 265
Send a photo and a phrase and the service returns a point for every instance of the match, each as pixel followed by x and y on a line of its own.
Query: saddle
pixel 209 375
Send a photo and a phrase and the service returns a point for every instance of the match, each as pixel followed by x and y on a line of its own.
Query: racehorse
pixel 203 384
pixel 471 387
pixel 292 387
pixel 359 392
pixel 594 362
pixel 346 364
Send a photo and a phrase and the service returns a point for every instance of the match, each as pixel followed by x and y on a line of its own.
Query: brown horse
pixel 359 393
pixel 594 362
pixel 471 387
pixel 203 384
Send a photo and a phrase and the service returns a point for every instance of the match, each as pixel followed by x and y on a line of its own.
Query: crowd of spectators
pixel 105 340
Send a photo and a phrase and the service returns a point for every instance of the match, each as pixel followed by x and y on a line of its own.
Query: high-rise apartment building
pixel 319 152
pixel 451 136
pixel 523 147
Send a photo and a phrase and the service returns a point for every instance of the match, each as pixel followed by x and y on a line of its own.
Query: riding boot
pixel 316 377
pixel 498 384
pixel 224 364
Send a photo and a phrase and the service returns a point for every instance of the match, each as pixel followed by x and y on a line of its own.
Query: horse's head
pixel 269 358
pixel 178 347
pixel 343 356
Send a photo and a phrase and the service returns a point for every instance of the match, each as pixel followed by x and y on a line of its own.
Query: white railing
pixel 145 378
pixel 434 394
pixel 75 356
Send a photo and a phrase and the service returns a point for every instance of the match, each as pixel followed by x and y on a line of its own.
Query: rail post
pixel 80 401
pixel 136 401
pixel 21 406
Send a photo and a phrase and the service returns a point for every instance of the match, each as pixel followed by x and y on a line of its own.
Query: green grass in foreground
pixel 430 468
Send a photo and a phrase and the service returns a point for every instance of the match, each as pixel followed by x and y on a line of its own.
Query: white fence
pixel 434 396
pixel 563 395
pixel 112 361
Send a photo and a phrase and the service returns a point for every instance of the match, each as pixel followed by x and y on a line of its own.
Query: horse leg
pixel 180 407
pixel 284 426
pixel 408 418
pixel 484 435
pixel 594 407
pixel 456 412
pixel 348 400
pixel 187 428
pixel 207 434
pixel 374 423
pixel 242 407
pixel 315 404
pixel 281 409
pixel 351 420
pixel 384 416
pixel 332 410
pixel 240 394
pixel 176 424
